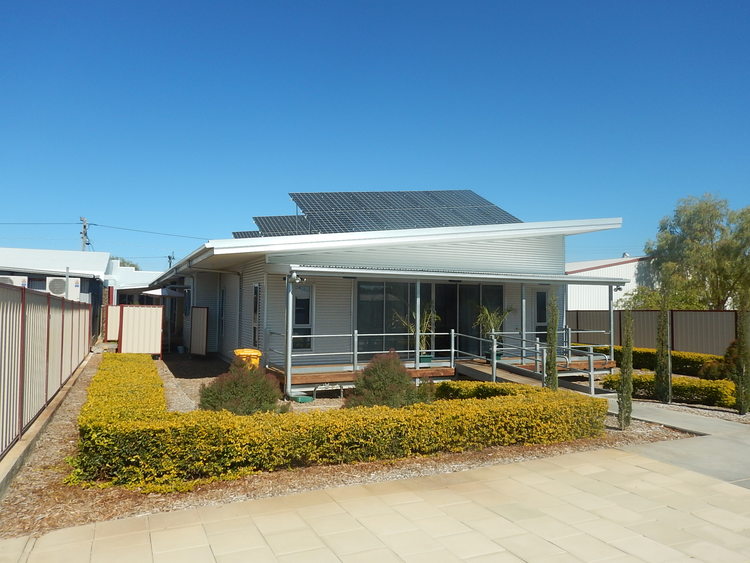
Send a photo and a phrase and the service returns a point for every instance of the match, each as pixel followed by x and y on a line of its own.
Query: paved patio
pixel 605 505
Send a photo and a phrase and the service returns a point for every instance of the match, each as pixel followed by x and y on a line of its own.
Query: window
pixel 302 317
pixel 256 315
pixel 541 315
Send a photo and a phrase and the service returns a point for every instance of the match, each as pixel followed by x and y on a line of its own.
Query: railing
pixel 348 356
pixel 43 339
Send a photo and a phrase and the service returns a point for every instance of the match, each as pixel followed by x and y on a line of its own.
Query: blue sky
pixel 189 118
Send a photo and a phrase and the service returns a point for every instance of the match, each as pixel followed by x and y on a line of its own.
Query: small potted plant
pixel 426 322
pixel 489 321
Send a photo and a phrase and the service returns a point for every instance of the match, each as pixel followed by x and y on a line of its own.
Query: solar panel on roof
pixel 281 225
pixel 332 212
pixel 246 234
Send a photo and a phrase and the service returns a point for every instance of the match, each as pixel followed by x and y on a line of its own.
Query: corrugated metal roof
pixel 32 260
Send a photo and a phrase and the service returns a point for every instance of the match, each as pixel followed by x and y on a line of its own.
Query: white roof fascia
pixel 426 274
pixel 296 243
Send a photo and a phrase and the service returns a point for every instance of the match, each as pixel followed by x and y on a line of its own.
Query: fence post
pixel 22 362
pixel 453 348
pixel 46 355
pixel 494 358
pixel 591 373
pixel 62 341
pixel 355 348
pixel 544 363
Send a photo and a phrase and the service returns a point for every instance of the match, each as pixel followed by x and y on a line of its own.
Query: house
pixel 89 277
pixel 596 298
pixel 320 291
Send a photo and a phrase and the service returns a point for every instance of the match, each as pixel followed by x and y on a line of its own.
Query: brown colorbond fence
pixel 43 340
pixel 706 332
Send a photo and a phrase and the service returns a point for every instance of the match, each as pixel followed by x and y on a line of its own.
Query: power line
pixel 38 223
pixel 147 232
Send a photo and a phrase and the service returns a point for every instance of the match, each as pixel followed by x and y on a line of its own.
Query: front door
pixel 540 327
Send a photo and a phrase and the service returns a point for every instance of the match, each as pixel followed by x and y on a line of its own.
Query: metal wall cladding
pixel 229 316
pixel 141 329
pixel 43 339
pixel 253 273
pixel 199 331
pixel 596 297
pixel 540 255
pixel 113 323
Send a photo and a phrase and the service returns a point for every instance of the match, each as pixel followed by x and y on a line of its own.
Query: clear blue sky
pixel 190 118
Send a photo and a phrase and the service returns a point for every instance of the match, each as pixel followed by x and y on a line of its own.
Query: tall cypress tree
pixel 742 377
pixel 550 370
pixel 662 375
pixel 625 389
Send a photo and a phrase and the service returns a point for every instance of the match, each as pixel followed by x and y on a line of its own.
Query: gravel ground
pixel 38 501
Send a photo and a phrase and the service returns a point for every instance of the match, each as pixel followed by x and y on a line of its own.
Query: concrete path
pixel 722 450
pixel 604 505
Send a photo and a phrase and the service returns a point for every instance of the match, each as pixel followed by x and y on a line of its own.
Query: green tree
pixel 704 244
pixel 647 298
pixel 550 370
pixel 663 371
pixel 742 373
pixel 625 389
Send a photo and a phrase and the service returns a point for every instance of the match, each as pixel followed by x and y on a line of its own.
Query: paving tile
pixel 440 497
pixel 502 557
pixel 724 518
pixel 621 515
pixel 548 527
pixel 605 530
pixel 367 506
pixel 440 556
pixel 334 524
pixel 123 540
pixel 350 492
pixel 130 554
pixel 279 522
pixel 708 551
pixel 223 512
pixel 529 546
pixel 293 541
pixel 201 554
pixel 176 519
pixel 568 513
pixel 322 555
pixel 586 548
pixel 382 524
pixel 469 544
pixel 411 543
pixel 323 509
pixel 120 527
pixel 722 536
pixel 240 525
pixel 439 526
pixel 516 512
pixel 258 555
pixel 68 552
pixel 12 549
pixel 353 541
pixel 65 536
pixel 664 532
pixel 173 539
pixel 647 549
pixel 235 540
pixel 496 527
pixel 374 556
pixel 400 497
pixel 417 510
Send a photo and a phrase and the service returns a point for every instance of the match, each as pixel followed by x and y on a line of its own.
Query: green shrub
pixel 481 390
pixel 684 363
pixel 385 381
pixel 241 391
pixel 690 390
pixel 156 450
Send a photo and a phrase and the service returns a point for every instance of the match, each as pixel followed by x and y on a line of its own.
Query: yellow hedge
pixel 127 436
pixel 684 363
pixel 690 390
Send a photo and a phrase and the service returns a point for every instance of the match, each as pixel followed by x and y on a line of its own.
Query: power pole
pixel 84 233
pixel 171 258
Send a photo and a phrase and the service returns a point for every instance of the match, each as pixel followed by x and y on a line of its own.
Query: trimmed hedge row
pixel 145 446
pixel 684 363
pixel 482 390
pixel 719 393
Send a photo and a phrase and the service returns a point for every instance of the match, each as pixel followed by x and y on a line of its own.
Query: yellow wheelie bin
pixel 250 356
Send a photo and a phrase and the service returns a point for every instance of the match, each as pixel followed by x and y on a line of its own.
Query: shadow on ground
pixel 185 366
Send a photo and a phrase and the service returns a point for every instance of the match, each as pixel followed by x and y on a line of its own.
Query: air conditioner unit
pixel 20 281
pixel 56 286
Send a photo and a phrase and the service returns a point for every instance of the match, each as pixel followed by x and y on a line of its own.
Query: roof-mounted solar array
pixel 343 212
